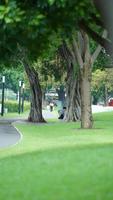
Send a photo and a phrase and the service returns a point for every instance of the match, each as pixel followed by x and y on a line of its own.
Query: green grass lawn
pixel 15 115
pixel 59 161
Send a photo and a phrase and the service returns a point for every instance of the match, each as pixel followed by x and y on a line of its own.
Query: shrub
pixel 12 106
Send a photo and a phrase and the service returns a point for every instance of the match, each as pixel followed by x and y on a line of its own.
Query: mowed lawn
pixel 59 161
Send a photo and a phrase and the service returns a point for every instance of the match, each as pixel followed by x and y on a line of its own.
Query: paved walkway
pixel 98 108
pixel 8 134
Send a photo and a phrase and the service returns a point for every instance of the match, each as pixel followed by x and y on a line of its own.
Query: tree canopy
pixel 31 24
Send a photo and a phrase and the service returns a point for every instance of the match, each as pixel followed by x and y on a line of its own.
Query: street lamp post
pixel 3 87
pixel 23 86
pixel 19 104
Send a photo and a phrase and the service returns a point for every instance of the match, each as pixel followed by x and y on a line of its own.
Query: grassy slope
pixel 59 161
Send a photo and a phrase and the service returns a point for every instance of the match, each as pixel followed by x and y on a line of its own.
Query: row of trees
pixel 48 29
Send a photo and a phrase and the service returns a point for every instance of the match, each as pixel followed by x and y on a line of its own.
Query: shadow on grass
pixel 59 150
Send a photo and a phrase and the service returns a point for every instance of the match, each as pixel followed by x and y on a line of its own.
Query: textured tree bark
pixel 79 83
pixel 35 114
pixel 73 99
pixel 85 65
pixel 73 110
pixel 105 96
pixel 85 61
pixel 86 110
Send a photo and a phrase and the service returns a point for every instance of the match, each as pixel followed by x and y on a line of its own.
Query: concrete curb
pixel 16 140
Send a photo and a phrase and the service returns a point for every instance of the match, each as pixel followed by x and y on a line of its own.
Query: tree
pixel 22 30
pixel 102 84
pixel 73 98
pixel 35 114
pixel 79 61
pixel 38 22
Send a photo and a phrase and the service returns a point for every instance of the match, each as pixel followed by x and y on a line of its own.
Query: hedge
pixel 12 106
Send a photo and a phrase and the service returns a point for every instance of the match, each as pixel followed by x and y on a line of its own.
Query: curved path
pixel 8 134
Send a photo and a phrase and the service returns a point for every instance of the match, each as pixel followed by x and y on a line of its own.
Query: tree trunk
pixel 86 109
pixel 61 95
pixel 79 56
pixel 105 96
pixel 84 60
pixel 73 100
pixel 35 114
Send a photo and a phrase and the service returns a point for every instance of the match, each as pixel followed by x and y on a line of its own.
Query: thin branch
pixel 99 48
pixel 86 51
pixel 102 41
pixel 77 52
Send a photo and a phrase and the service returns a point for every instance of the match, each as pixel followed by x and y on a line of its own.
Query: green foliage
pixel 12 106
pixel 103 61
pixel 32 24
pixel 51 73
pixel 102 79
pixel 36 21
pixel 12 77
pixel 10 13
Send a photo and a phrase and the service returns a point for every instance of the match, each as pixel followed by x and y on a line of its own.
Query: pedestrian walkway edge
pixel 21 136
